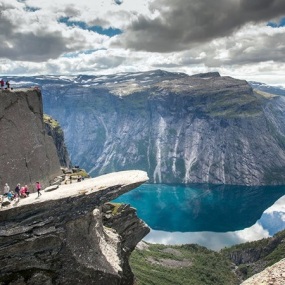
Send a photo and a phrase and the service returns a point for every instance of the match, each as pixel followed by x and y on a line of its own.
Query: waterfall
pixel 175 151
pixel 158 144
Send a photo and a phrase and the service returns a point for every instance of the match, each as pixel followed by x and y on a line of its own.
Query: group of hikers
pixel 19 192
pixel 2 84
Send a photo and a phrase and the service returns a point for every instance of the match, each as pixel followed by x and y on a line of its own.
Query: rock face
pixel 60 237
pixel 54 130
pixel 27 153
pixel 179 128
pixel 274 275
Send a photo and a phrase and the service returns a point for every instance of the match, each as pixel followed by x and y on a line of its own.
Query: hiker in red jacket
pixel 38 186
pixel 2 83
pixel 24 192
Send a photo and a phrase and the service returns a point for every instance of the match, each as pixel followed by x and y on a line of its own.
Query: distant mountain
pixel 178 128
pixel 277 90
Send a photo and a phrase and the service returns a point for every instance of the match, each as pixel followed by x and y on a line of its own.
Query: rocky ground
pixel 86 187
pixel 273 275
pixel 65 237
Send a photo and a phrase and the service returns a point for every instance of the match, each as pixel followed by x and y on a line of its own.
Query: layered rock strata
pixel 59 238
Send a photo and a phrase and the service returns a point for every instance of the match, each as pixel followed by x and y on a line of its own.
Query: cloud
pixel 250 45
pixel 211 240
pixel 234 37
pixel 37 36
pixel 184 24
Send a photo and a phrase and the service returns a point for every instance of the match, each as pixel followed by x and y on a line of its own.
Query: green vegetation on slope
pixel 234 106
pixel 52 122
pixel 193 264
pixel 186 264
pixel 253 257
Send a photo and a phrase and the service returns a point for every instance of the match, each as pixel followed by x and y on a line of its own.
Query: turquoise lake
pixel 209 215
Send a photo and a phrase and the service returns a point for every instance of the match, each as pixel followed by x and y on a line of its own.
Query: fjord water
pixel 209 215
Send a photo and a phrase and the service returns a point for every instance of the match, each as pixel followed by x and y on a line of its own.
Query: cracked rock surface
pixel 273 275
pixel 60 237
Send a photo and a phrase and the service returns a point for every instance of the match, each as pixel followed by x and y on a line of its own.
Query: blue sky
pixel 110 32
pixel 239 38
pixel 278 24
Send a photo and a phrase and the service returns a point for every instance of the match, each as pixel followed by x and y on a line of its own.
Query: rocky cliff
pixel 272 275
pixel 27 153
pixel 60 237
pixel 253 257
pixel 54 130
pixel 178 128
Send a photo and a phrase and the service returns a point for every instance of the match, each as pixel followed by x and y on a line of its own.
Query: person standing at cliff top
pixel 2 83
pixel 17 189
pixel 6 189
pixel 38 186
pixel 8 84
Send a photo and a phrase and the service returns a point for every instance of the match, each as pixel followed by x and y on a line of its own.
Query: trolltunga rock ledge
pixel 60 237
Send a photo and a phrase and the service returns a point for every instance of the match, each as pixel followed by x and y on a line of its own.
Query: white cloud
pixel 278 206
pixel 156 34
pixel 212 240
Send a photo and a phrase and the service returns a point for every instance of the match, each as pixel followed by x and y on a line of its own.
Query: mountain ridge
pixel 204 128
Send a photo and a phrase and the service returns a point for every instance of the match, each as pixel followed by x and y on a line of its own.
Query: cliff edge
pixel 272 275
pixel 60 237
pixel 54 130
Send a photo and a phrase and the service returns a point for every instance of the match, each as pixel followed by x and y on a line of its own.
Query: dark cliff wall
pixel 27 153
pixel 54 130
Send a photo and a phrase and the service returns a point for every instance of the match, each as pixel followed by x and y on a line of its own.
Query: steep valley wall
pixel 180 129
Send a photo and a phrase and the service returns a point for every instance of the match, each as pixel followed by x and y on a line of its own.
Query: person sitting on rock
pixel 27 190
pixel 24 192
pixel 6 189
pixel 10 195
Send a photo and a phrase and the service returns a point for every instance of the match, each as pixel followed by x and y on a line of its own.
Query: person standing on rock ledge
pixel 6 189
pixel 38 186
pixel 8 84
pixel 17 189
pixel 2 83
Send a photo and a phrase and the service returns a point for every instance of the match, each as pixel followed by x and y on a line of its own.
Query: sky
pixel 240 38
